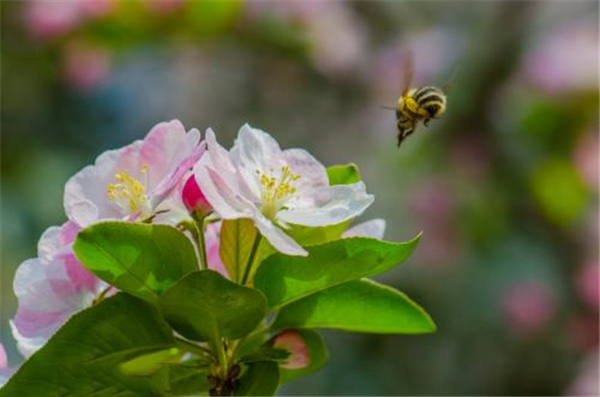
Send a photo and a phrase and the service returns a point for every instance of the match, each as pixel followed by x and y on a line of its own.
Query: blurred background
pixel 504 186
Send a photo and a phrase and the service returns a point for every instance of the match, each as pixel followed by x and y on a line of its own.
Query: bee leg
pixel 426 122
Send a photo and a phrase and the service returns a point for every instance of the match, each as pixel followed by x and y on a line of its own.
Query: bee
pixel 417 104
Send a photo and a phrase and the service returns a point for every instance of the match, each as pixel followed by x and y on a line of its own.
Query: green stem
pixel 201 241
pixel 251 258
pixel 221 358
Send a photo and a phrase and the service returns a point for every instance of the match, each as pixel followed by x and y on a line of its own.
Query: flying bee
pixel 416 104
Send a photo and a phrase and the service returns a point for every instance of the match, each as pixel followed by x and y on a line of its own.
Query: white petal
pixel 375 228
pixel 220 193
pixel 254 148
pixel 49 244
pixel 313 174
pixel 278 239
pixel 329 206
pixel 254 151
pixel 28 346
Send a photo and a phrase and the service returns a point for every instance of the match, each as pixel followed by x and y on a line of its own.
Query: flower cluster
pixel 173 177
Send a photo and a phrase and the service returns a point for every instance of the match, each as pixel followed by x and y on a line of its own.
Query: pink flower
pixel 85 66
pixel 47 19
pixel 50 289
pixel 528 307
pixel 131 183
pixel 213 246
pixel 273 187
pixel 294 343
pixel 194 199
pixel 565 60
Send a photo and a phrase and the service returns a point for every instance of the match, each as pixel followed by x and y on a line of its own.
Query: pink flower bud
pixel 194 199
pixel 294 343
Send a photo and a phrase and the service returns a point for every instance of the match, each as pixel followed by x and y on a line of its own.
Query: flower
pixel 194 199
pixel 274 187
pixel 375 228
pixel 50 289
pixel 528 307
pixel 131 182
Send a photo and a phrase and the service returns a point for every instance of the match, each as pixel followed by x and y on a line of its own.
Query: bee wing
pixel 407 69
pixel 450 83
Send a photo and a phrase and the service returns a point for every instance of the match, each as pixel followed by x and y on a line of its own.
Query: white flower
pixel 274 187
pixel 129 183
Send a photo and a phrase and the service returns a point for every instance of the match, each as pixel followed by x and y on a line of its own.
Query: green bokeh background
pixel 504 186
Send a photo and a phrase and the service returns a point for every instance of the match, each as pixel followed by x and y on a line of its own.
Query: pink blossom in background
pixel 586 158
pixel 587 381
pixel 565 60
pixel 294 343
pixel 337 38
pixel 85 66
pixel 588 284
pixel 528 307
pixel 48 19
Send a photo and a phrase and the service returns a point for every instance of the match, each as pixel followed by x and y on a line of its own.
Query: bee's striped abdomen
pixel 432 100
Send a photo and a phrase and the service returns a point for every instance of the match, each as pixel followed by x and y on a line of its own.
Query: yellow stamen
pixel 277 189
pixel 129 193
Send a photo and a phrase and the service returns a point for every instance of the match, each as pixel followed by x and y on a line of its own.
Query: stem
pixel 251 258
pixel 201 241
pixel 221 357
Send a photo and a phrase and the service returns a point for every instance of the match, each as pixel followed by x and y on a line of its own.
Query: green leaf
pixel 188 380
pixel 205 306
pixel 237 237
pixel 361 306
pixel 143 260
pixel 305 347
pixel 260 379
pixel 83 357
pixel 343 174
pixel 284 279
pixel 149 363
pixel 266 353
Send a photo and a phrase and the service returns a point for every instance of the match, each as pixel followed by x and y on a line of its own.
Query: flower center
pixel 129 193
pixel 277 189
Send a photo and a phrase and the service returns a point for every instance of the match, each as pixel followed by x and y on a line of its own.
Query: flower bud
pixel 194 199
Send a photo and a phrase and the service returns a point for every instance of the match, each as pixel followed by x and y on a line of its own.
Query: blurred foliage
pixel 504 186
